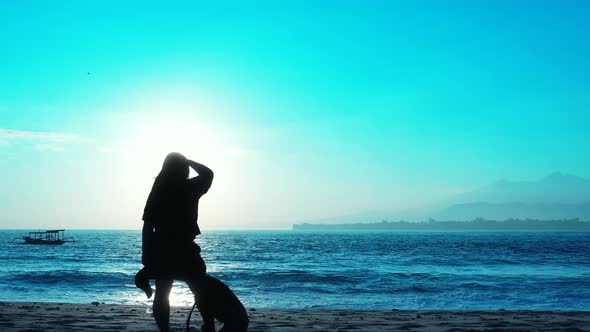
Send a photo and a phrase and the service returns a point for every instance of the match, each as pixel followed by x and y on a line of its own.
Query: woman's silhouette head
pixel 175 168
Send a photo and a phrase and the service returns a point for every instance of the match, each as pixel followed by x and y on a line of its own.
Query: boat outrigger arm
pixel 55 236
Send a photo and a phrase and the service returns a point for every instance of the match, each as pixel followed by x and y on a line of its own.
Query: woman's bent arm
pixel 201 169
pixel 205 178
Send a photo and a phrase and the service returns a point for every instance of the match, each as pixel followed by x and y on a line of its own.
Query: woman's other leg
pixel 161 304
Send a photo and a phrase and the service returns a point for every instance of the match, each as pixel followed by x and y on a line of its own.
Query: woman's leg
pixel 161 304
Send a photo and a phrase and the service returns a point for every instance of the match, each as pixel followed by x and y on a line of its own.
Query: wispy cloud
pixel 11 134
pixel 45 141
pixel 48 147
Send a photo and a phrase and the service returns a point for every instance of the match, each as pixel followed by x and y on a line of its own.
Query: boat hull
pixel 29 240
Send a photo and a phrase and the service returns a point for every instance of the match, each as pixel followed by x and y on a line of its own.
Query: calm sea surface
pixel 287 269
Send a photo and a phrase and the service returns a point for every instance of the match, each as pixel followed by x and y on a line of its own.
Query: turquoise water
pixel 287 269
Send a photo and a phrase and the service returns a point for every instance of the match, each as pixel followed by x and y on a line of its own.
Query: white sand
pixel 26 316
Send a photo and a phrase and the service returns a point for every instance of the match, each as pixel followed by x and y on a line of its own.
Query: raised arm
pixel 201 169
pixel 205 178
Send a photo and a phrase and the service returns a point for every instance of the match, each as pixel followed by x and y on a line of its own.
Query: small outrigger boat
pixel 55 237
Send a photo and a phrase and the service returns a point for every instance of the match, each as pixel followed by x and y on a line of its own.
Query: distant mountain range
pixel 557 188
pixel 554 197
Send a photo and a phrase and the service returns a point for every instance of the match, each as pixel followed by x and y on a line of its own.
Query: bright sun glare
pixel 172 126
pixel 160 136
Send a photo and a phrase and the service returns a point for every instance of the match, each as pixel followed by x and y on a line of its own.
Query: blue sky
pixel 303 109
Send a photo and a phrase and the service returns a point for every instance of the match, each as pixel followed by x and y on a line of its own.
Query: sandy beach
pixel 34 316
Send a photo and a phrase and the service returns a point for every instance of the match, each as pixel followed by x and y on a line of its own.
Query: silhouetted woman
pixel 169 228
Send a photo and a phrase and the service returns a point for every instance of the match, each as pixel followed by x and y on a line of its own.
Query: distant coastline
pixel 479 224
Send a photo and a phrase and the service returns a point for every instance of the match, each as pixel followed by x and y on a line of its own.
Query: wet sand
pixel 29 316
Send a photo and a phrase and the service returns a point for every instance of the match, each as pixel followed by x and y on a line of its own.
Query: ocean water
pixel 288 269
